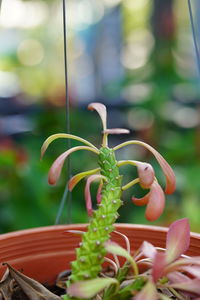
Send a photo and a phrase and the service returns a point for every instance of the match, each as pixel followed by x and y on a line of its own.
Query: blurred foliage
pixel 136 57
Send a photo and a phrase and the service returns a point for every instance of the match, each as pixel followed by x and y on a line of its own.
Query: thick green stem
pixel 90 254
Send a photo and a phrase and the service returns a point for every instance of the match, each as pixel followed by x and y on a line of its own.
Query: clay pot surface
pixel 42 253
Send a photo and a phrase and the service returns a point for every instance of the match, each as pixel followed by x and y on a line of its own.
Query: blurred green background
pixel 137 57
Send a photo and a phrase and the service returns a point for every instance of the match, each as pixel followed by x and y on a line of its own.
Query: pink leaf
pixel 167 170
pixel 177 277
pixel 149 292
pixel 55 170
pixel 116 131
pixel 156 202
pixel 99 196
pixel 192 286
pixel 141 201
pixel 101 109
pixel 169 174
pixel 148 250
pixel 178 239
pixel 88 289
pixel 181 262
pixel 146 174
pixel 159 264
pixel 193 270
pixel 87 192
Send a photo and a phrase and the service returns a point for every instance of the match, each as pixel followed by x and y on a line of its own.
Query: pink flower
pixel 155 201
pixel 171 265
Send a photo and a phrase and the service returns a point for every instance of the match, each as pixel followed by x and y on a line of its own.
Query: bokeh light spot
pixel 30 52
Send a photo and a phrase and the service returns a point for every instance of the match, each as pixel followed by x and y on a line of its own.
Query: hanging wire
pixel 194 35
pixel 66 198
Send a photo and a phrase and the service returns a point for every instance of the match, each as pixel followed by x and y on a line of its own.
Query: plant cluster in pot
pixel 111 261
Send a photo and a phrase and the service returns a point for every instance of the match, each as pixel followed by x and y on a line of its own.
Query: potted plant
pixel 152 268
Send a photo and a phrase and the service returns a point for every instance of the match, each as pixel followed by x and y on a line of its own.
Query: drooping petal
pixel 145 171
pixel 87 192
pixel 149 292
pixel 116 249
pixel 167 170
pixel 177 277
pixel 116 131
pixel 55 170
pixel 159 264
pixel 141 201
pixel 53 137
pixel 88 289
pixel 156 202
pixel 193 270
pixel 178 239
pixel 99 196
pixel 76 178
pixel 101 109
pixel 192 286
pixel 146 174
pixel 181 262
pixel 148 250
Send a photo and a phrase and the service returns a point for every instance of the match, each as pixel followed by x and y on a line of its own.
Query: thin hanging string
pixel 66 195
pixel 194 34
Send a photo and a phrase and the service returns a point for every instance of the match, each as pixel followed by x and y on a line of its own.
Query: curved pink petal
pixel 148 250
pixel 178 239
pixel 149 292
pixel 177 277
pixel 55 170
pixel 167 170
pixel 101 109
pixel 99 196
pixel 156 202
pixel 87 192
pixel 193 270
pixel 116 131
pixel 146 174
pixel 192 286
pixel 141 201
pixel 159 264
pixel 182 262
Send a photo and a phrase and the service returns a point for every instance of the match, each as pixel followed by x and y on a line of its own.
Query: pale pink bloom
pixel 146 174
pixel 155 201
pixel 87 192
pixel 101 109
pixel 55 170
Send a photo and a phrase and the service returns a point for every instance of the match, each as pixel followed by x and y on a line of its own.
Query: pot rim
pixel 34 230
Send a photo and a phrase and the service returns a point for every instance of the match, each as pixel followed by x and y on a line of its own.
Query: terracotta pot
pixel 42 253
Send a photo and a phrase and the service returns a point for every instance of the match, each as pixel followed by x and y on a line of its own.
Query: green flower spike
pixel 90 255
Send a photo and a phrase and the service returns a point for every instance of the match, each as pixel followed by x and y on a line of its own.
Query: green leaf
pixel 127 291
pixel 114 248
